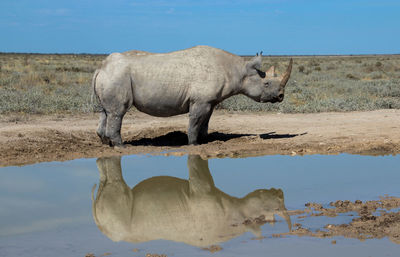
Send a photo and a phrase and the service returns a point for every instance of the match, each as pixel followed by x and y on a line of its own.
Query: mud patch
pixel 376 219
pixel 213 248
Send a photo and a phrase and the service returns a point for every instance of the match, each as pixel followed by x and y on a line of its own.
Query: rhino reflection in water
pixel 192 211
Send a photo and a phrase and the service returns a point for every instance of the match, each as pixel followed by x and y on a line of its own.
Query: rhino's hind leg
pixel 198 114
pixel 101 129
pixel 113 129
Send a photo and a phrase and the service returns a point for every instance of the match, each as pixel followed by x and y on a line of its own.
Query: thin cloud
pixel 187 3
pixel 170 11
pixel 20 184
pixel 45 224
pixel 54 12
pixel 10 204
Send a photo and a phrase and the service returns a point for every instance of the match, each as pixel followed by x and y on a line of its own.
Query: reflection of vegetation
pixel 192 211
pixel 61 83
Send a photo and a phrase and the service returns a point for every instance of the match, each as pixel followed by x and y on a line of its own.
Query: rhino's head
pixel 264 86
pixel 266 203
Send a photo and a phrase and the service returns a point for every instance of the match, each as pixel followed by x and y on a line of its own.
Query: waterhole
pixel 142 205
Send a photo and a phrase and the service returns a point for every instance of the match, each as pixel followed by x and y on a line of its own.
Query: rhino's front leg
pixel 203 133
pixel 198 113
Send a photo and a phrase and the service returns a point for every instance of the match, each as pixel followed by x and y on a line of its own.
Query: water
pixel 47 208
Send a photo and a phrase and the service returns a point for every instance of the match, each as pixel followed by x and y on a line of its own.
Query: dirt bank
pixel 32 139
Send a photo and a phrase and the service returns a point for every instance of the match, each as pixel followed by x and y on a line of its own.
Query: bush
pixel 351 76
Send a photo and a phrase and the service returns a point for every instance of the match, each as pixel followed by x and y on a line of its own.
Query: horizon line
pixel 242 55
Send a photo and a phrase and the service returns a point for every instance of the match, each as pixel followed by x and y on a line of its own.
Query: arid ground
pixel 31 139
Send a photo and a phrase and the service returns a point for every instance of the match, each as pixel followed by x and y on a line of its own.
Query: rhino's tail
pixel 98 104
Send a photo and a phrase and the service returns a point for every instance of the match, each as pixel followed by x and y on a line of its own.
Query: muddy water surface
pixel 187 206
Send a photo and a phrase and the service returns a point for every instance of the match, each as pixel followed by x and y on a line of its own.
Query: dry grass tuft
pixel 43 84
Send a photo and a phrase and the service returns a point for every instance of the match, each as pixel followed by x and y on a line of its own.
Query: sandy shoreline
pixel 66 137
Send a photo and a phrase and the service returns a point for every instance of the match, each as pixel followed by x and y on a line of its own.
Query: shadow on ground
pixel 179 138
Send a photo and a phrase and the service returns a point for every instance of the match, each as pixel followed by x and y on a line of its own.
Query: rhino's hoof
pixel 119 146
pixel 105 140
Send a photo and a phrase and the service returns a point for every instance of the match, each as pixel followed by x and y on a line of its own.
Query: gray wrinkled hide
pixel 192 80
pixel 192 211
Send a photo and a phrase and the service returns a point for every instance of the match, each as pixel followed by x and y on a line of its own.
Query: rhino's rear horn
pixel 287 74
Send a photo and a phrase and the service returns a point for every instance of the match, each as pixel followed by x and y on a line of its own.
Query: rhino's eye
pixel 267 83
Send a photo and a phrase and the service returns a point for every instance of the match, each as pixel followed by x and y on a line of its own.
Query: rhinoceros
pixel 192 211
pixel 193 80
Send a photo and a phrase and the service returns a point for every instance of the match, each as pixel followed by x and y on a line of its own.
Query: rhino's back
pixel 200 63
pixel 197 64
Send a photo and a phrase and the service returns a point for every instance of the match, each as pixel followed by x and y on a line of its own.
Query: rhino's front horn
pixel 287 74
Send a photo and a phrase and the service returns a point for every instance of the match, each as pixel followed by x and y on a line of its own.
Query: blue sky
pixel 242 27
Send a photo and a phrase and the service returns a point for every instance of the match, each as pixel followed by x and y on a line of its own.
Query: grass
pixel 44 84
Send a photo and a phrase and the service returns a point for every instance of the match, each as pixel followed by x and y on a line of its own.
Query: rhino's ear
pixel 270 72
pixel 254 64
